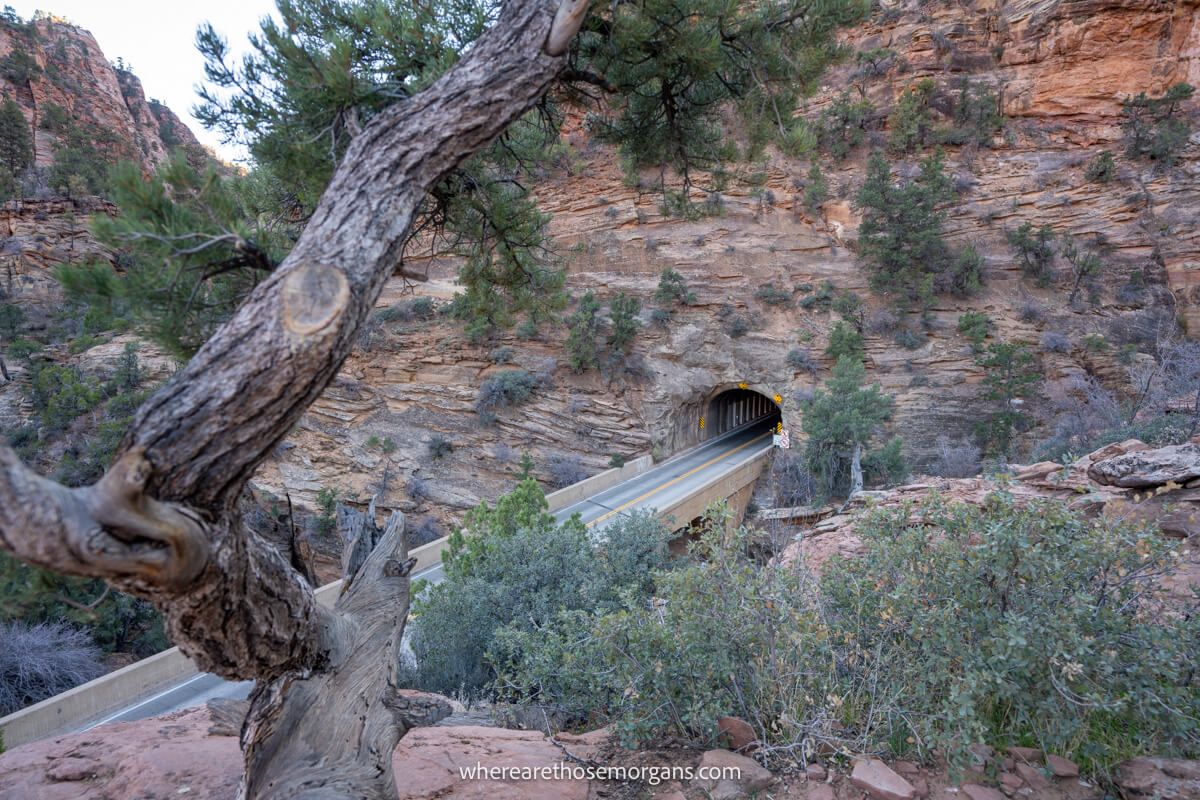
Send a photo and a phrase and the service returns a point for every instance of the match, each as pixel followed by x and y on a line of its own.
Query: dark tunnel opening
pixel 739 408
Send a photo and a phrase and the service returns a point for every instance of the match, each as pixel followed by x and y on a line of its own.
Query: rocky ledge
pixel 1128 481
pixel 192 754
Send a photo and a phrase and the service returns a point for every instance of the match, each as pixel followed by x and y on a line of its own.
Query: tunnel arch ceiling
pixel 736 408
pixel 723 409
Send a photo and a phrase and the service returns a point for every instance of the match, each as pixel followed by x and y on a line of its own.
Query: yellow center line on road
pixel 676 480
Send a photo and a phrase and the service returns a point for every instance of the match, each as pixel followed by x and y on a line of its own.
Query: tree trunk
pixel 856 475
pixel 163 522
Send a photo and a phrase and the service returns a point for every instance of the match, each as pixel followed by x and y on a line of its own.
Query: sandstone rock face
pixel 431 761
pixel 1062 767
pixel 737 733
pixel 74 73
pixel 155 758
pixel 38 235
pixel 742 777
pixel 1178 464
pixel 175 756
pixel 880 781
pixel 1061 75
pixel 1161 778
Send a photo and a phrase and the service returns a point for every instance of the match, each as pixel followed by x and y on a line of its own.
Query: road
pixel 659 487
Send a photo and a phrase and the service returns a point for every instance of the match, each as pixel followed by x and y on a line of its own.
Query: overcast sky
pixel 157 38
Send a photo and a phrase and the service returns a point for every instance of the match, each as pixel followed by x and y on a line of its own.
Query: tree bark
pixel 856 473
pixel 163 522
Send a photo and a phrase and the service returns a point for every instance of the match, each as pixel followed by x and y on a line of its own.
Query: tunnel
pixel 738 408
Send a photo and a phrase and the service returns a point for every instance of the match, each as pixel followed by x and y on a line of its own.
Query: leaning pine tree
pixel 163 523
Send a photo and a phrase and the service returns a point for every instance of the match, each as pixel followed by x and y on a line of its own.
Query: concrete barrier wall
pixel 571 495
pixel 75 708
pixel 95 699
pixel 723 486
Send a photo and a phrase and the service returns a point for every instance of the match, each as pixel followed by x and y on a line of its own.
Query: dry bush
pixel 39 661
pixel 961 459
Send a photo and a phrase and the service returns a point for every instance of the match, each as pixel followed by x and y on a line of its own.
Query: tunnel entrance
pixel 738 408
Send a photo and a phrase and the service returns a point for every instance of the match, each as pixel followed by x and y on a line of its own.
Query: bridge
pixel 734 429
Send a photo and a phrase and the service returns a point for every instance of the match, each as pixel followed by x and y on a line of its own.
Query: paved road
pixel 658 487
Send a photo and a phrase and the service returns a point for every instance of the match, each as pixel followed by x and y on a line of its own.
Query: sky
pixel 157 39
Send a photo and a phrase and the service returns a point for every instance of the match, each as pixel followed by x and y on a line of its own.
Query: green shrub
pixel 773 295
pixel 845 341
pixel 900 238
pixel 19 66
pixel 83 160
pixel 616 461
pixel 674 666
pixel 62 393
pixel 1101 169
pixel 818 299
pixel 1010 373
pixel 422 307
pixel 115 622
pixel 850 307
pixel 1044 631
pixel 512 576
pixel 800 359
pixel 843 125
pixel 1034 246
pixel 439 446
pixel 1086 266
pixel 737 325
pixel 510 388
pixel 584 326
pixel 1157 127
pixel 672 290
pixel 976 118
pixel 816 189
pixel 841 421
pixel 11 319
pixel 23 348
pixel 910 124
pixel 326 518
pixel 623 311
pixel 16 145
pixel 975 325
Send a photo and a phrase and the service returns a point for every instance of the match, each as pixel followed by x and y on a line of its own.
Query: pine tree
pixel 16 146
pixel 816 191
pixel 1035 248
pixel 205 227
pixel 901 234
pixel 841 420
pixel 624 310
pixel 911 121
pixel 1010 374
pixel 584 328
pixel 1156 127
